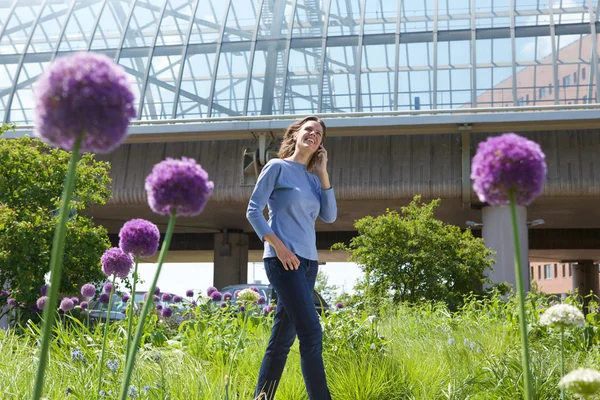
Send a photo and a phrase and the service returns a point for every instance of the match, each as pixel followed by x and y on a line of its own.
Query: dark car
pixel 271 294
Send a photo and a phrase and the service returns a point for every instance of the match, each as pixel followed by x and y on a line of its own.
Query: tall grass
pixel 406 352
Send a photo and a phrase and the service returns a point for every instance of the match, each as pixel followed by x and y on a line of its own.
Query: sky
pixel 176 278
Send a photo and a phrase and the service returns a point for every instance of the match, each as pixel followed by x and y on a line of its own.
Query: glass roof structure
pixel 217 58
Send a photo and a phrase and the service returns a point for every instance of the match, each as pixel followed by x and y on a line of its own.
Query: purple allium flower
pixel 223 305
pixel 33 308
pixel 88 290
pixel 193 303
pixel 43 290
pixel 267 310
pixel 166 297
pixel 83 94
pixel 157 290
pixel 210 290
pixel 108 287
pixel 139 237
pixel 507 162
pixel 180 185
pixel 41 302
pixel 4 293
pixel 125 298
pixel 177 299
pixel 155 298
pixel 83 305
pixel 66 304
pixel 242 308
pixel 236 293
pixel 116 262
pixel 253 288
pixel 11 302
pixel 216 296
pixel 227 296
pixel 261 300
pixel 167 312
pixel 104 298
pixel 159 307
pixel 75 300
pixel 189 293
pixel 339 305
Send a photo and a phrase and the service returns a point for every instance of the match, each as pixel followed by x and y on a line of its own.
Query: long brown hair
pixel 288 144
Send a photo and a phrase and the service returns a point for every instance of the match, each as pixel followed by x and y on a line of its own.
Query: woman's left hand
pixel 320 167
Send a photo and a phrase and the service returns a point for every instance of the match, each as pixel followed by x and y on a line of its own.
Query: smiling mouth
pixel 310 141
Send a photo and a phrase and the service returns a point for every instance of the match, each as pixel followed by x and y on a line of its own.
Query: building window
pixel 567 80
pixel 555 271
pixel 531 276
pixel 527 99
pixel 575 77
pixel 583 74
pixel 542 92
pixel 571 269
pixel 548 271
pixel 564 271
pixel 521 101
pixel 539 272
pixel 585 99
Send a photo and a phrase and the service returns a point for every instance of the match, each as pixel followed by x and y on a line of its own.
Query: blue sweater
pixel 295 200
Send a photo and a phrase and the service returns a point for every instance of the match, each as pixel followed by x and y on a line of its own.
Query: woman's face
pixel 310 136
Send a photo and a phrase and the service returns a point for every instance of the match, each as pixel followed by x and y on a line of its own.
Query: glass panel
pixel 112 24
pixel 417 16
pixel 19 27
pixel 160 89
pixel 143 24
pixel 80 26
pixel 5 7
pixel 267 70
pixel 268 18
pixel 534 71
pixel 175 22
pixel 492 13
pixel 380 16
pixel 494 73
pixel 415 76
pixel 302 84
pixel 573 54
pixel 339 80
pixel 208 21
pixel 455 14
pixel 377 77
pixel 344 18
pixel 241 20
pixel 195 85
pixel 45 35
pixel 7 77
pixel 571 11
pixel 22 105
pixel 309 18
pixel 531 13
pixel 230 85
pixel 135 68
pixel 454 74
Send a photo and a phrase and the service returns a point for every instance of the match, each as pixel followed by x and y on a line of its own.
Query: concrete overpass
pixel 377 161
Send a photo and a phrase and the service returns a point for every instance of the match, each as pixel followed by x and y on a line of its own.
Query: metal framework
pixel 317 56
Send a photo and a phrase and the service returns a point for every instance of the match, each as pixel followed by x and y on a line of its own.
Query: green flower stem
pixel 106 326
pixel 228 379
pixel 562 359
pixel 131 308
pixel 56 256
pixel 527 378
pixel 142 319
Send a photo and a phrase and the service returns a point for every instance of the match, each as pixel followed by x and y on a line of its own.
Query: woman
pixel 295 198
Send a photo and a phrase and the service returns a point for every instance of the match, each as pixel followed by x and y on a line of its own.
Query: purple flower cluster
pixel 159 307
pixel 83 94
pixel 210 290
pixel 104 298
pixel 177 299
pixel 116 262
pixel 339 305
pixel 223 305
pixel 43 290
pixel 75 300
pixel 11 302
pixel 4 293
pixel 508 162
pixel 167 312
pixel 156 290
pixel 108 287
pixel 166 297
pixel 41 302
pixel 155 299
pixel 125 298
pixel 83 305
pixel 180 185
pixel 268 309
pixel 88 290
pixel 261 300
pixel 216 296
pixel 189 293
pixel 227 296
pixel 66 304
pixel 139 237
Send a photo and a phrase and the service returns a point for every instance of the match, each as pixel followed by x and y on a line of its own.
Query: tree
pixel 327 291
pixel 414 257
pixel 31 182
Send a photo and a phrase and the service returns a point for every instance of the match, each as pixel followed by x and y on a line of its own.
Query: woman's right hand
pixel 288 259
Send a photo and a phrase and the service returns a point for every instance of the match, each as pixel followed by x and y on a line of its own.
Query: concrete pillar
pixel 585 279
pixel 230 259
pixel 497 233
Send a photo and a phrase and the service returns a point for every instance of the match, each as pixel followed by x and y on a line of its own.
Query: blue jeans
pixel 296 314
